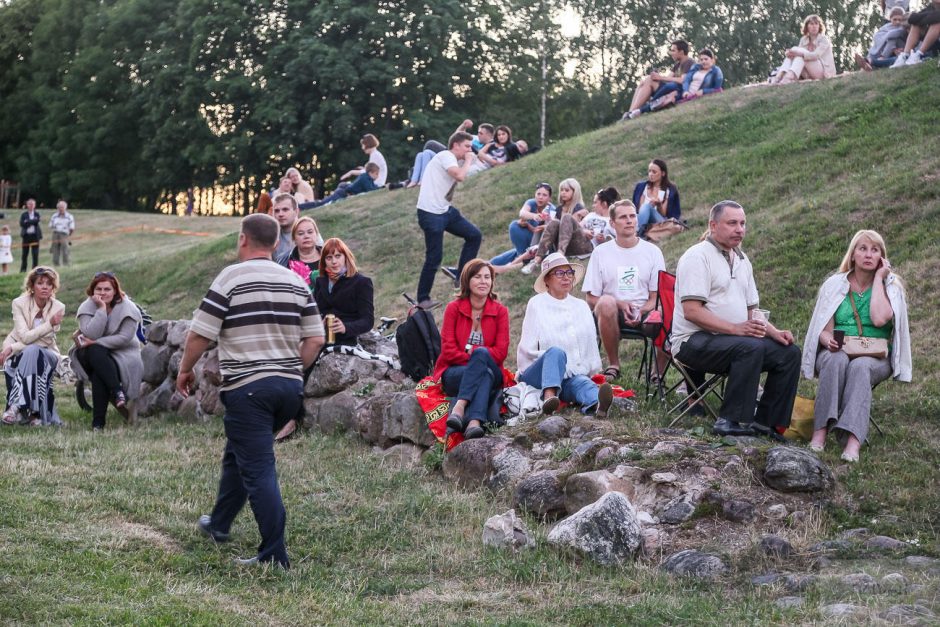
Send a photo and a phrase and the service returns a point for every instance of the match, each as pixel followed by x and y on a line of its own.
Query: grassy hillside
pixel 101 529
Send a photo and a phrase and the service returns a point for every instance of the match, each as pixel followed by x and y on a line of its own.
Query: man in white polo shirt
pixel 436 215
pixel 621 281
pixel 714 329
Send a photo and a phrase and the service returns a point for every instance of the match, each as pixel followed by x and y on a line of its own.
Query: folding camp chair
pixel 698 387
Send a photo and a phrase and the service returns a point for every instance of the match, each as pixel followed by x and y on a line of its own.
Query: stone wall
pixel 342 394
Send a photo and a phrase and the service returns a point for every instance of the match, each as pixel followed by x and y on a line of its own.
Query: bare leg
pixel 933 33
pixel 643 92
pixel 819 439
pixel 912 38
pixel 813 70
pixel 606 313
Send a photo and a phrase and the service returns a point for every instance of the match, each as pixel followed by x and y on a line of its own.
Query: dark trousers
pixel 30 245
pixel 743 359
pixel 478 383
pixel 434 226
pixel 105 379
pixel 248 468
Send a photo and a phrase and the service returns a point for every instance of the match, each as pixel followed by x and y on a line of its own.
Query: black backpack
pixel 419 343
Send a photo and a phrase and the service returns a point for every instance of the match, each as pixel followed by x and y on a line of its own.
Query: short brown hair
pixel 37 272
pixel 261 229
pixel 369 141
pixel 470 270
pixel 371 167
pixel 459 136
pixel 300 220
pixel 106 277
pixel 334 245
pixel 284 196
pixel 612 211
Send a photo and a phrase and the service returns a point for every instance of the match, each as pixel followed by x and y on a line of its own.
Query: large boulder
pixel 335 414
pixel 157 331
pixel 541 494
pixel 692 563
pixel 791 469
pixel 156 358
pixel 507 531
pixel 333 373
pixel 607 531
pixel 509 467
pixel 403 420
pixel 177 332
pixel 470 463
pixel 587 487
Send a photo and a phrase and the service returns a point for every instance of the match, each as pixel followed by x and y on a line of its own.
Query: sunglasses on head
pixel 98 275
pixel 40 271
pixel 544 186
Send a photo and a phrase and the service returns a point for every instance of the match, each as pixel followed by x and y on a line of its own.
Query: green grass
pixel 101 529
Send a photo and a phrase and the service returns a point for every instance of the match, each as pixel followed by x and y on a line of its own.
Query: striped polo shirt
pixel 259 312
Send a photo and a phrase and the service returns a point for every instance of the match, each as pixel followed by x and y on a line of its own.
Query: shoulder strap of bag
pixel 858 319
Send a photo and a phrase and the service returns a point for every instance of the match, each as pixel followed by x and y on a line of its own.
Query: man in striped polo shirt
pixel 269 331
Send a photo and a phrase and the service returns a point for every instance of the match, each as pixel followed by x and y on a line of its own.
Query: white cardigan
pixel 567 324
pixel 831 295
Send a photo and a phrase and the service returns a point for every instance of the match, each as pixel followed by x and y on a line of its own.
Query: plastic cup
pixel 761 314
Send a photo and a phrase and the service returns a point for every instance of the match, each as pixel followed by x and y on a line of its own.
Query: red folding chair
pixel 713 385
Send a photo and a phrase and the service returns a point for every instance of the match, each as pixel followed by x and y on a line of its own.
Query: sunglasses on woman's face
pixel 563 273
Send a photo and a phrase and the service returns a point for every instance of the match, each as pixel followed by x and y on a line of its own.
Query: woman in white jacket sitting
pixel 811 58
pixel 865 292
pixel 558 347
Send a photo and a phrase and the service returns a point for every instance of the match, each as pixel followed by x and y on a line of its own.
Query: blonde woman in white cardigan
pixel 865 283
pixel 30 354
pixel 558 347
pixel 811 58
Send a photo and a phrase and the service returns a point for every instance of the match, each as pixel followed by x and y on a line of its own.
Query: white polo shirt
pixel 726 287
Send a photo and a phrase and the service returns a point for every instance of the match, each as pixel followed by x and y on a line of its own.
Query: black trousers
pixel 105 379
pixel 743 359
pixel 30 245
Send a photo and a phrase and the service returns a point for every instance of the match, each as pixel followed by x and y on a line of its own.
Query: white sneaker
pixel 914 58
pixel 634 114
pixel 900 61
pixel 528 268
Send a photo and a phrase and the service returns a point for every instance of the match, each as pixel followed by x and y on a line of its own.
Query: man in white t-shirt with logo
pixel 621 281
pixel 436 215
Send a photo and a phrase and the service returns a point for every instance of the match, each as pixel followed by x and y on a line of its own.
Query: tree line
pixel 127 103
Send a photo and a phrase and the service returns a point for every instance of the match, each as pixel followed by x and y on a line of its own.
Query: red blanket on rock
pixel 436 405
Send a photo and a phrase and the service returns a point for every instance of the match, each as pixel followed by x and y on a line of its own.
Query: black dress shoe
pixel 723 426
pixel 767 432
pixel 472 433
pixel 455 423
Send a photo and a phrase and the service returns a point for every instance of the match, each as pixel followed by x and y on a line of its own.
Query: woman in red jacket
pixel 474 343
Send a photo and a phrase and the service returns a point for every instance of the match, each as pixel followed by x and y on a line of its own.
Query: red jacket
pixel 455 331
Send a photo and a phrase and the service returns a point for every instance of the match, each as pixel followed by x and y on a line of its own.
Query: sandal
pixel 612 373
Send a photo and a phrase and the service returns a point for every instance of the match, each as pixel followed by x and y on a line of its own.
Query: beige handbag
pixel 858 346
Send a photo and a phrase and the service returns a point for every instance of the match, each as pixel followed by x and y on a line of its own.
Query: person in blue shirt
pixel 704 78
pixel 363 183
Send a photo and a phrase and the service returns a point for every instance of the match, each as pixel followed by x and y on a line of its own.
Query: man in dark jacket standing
pixel 31 233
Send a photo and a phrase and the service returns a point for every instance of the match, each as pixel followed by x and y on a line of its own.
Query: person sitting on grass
pixel 106 350
pixel 302 189
pixel 925 30
pixel 703 78
pixel 498 152
pixel 886 44
pixel 30 354
pixel 558 346
pixel 865 294
pixel 474 344
pixel 622 282
pixel 285 211
pixel 525 232
pixel 343 292
pixel 370 146
pixel 656 198
pixel 810 59
pixel 658 84
pixel 575 233
pixel 365 182
pixel 304 257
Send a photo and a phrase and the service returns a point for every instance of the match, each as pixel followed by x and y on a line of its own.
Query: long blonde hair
pixel 576 197
pixel 848 262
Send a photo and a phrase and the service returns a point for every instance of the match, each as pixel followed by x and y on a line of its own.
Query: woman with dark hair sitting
pixel 656 198
pixel 474 344
pixel 704 78
pixel 344 293
pixel 106 350
pixel 30 355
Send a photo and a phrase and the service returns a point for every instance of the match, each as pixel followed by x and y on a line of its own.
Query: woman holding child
pixel 558 347
pixel 656 198
pixel 30 355
pixel 811 58
pixel 106 350
pixel 865 298
pixel 474 344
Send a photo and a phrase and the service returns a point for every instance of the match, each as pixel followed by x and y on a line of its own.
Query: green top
pixel 845 319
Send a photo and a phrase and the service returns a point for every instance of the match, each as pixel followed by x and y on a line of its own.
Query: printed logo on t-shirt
pixel 628 281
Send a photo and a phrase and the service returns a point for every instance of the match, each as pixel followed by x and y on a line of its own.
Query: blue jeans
pixel 647 215
pixel 339 194
pixel 252 412
pixel 479 382
pixel 665 88
pixel 548 371
pixel 521 239
pixel 434 226
pixel 422 159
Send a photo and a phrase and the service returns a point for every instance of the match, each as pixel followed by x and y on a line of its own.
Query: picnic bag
pixel 859 346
